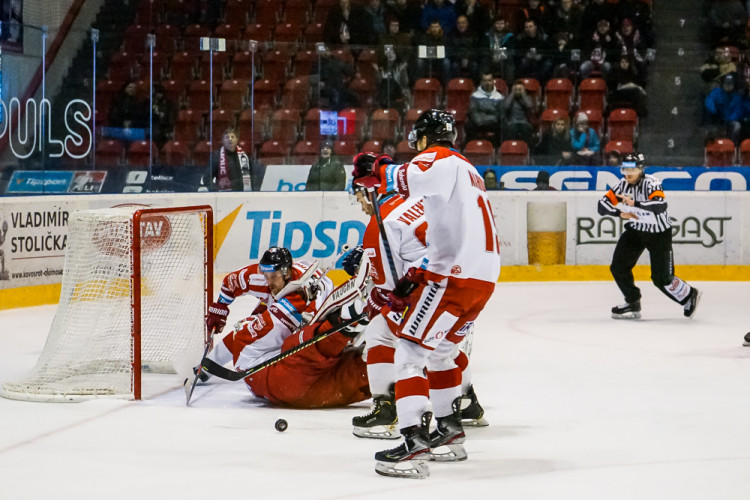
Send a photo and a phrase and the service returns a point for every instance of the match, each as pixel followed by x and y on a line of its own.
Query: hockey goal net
pixel 135 289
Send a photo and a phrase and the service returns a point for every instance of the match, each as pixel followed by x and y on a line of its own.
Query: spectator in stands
pixel 532 53
pixel 484 119
pixel 561 58
pixel 376 11
pixel 478 15
pixel 327 174
pixel 517 109
pixel 392 80
pixel 396 37
pixel 595 11
pixel 718 64
pixel 565 18
pixel 230 166
pixel 614 158
pixel 490 180
pixel 585 141
pixel 725 110
pixel 389 148
pixel 625 86
pixel 542 182
pixel 441 10
pixel 603 49
pixel 334 79
pixel 631 42
pixel 497 49
pixel 462 51
pixel 128 111
pixel 639 13
pixel 534 10
pixel 429 68
pixel 555 147
pixel 408 13
pixel 728 20
pixel 163 115
pixel 347 24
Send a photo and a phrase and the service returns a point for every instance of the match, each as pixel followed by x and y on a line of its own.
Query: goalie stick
pixel 343 294
pixel 189 389
pixel 214 368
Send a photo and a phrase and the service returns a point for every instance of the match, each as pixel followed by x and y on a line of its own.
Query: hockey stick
pixel 220 371
pixel 198 372
pixel 383 236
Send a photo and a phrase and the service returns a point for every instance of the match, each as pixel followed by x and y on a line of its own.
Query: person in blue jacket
pixel 585 141
pixel 725 109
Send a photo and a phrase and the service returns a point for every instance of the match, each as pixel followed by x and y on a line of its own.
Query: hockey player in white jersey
pixel 639 199
pixel 447 290
pixel 403 247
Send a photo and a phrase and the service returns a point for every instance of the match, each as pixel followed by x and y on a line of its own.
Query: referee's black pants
pixel 629 248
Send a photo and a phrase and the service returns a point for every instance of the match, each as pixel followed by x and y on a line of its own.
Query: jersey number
pixel 490 232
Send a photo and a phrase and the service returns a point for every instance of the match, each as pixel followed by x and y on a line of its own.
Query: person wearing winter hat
pixel 585 141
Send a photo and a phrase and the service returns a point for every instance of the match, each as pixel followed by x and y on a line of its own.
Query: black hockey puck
pixel 281 425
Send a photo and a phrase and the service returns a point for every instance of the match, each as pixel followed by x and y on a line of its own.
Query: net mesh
pixel 89 349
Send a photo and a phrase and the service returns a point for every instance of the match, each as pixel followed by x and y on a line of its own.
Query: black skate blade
pixel 449 453
pixel 377 432
pixel 407 469
pixel 630 315
pixel 474 422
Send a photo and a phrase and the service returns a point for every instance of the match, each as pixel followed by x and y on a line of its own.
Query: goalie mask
pixel 436 125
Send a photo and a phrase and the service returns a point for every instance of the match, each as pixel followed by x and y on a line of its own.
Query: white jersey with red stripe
pixel 461 235
pixel 405 227
pixel 261 334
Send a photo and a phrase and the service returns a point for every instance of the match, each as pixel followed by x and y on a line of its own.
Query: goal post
pixel 137 283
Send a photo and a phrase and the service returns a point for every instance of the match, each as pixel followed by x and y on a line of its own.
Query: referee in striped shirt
pixel 638 198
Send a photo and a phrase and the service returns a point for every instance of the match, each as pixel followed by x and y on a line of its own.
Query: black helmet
pixel 436 125
pixel 363 163
pixel 276 259
pixel 633 160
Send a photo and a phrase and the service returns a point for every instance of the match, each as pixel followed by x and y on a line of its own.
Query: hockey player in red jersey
pixel 447 290
pixel 404 246
pixel 323 375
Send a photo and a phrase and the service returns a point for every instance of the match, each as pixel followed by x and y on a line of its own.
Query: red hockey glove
pixel 363 163
pixel 216 318
pixel 398 299
pixel 375 302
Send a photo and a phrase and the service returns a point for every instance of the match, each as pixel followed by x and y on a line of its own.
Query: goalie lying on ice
pixel 326 374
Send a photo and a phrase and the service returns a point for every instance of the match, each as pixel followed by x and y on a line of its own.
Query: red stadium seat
pixel 745 153
pixel 352 124
pixel 305 153
pixel 265 93
pixel 312 124
pixel 122 66
pixel 276 65
pixel 134 40
pixel 480 152
pixel 175 153
pixel 273 153
pixel 372 147
pixel 289 32
pixel 347 149
pixel 285 124
pixel 296 94
pixel 314 31
pixel 365 90
pixel 168 37
pixel 192 35
pixel 267 11
pixel 305 63
pixel 622 147
pixel 202 152
pixel 297 11
pixel 385 122
pixel 109 153
pixel 549 116
pixel 233 94
pixel 365 61
pixel 138 154
pixel 222 120
pixel 187 125
pixel 199 95
pixel 558 94
pixel 182 67
pixel 501 86
pixel 427 93
pixel 258 31
pixel 253 123
pixel 404 153
pixel 623 125
pixel 220 63
pixel 242 65
pixel 238 10
pixel 458 94
pixel 106 90
pixel 592 94
pixel 514 153
pixel 720 153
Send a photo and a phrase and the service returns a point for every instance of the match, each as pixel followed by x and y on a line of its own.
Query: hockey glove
pixel 374 180
pixel 363 163
pixel 352 259
pixel 216 319
pixel 398 299
pixel 375 302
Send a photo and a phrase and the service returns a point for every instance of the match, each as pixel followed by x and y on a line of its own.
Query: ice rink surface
pixel 580 407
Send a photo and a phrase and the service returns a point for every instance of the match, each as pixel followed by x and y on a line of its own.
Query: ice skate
pixel 407 460
pixel 446 441
pixel 472 413
pixel 692 304
pixel 747 340
pixel 628 310
pixel 381 422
